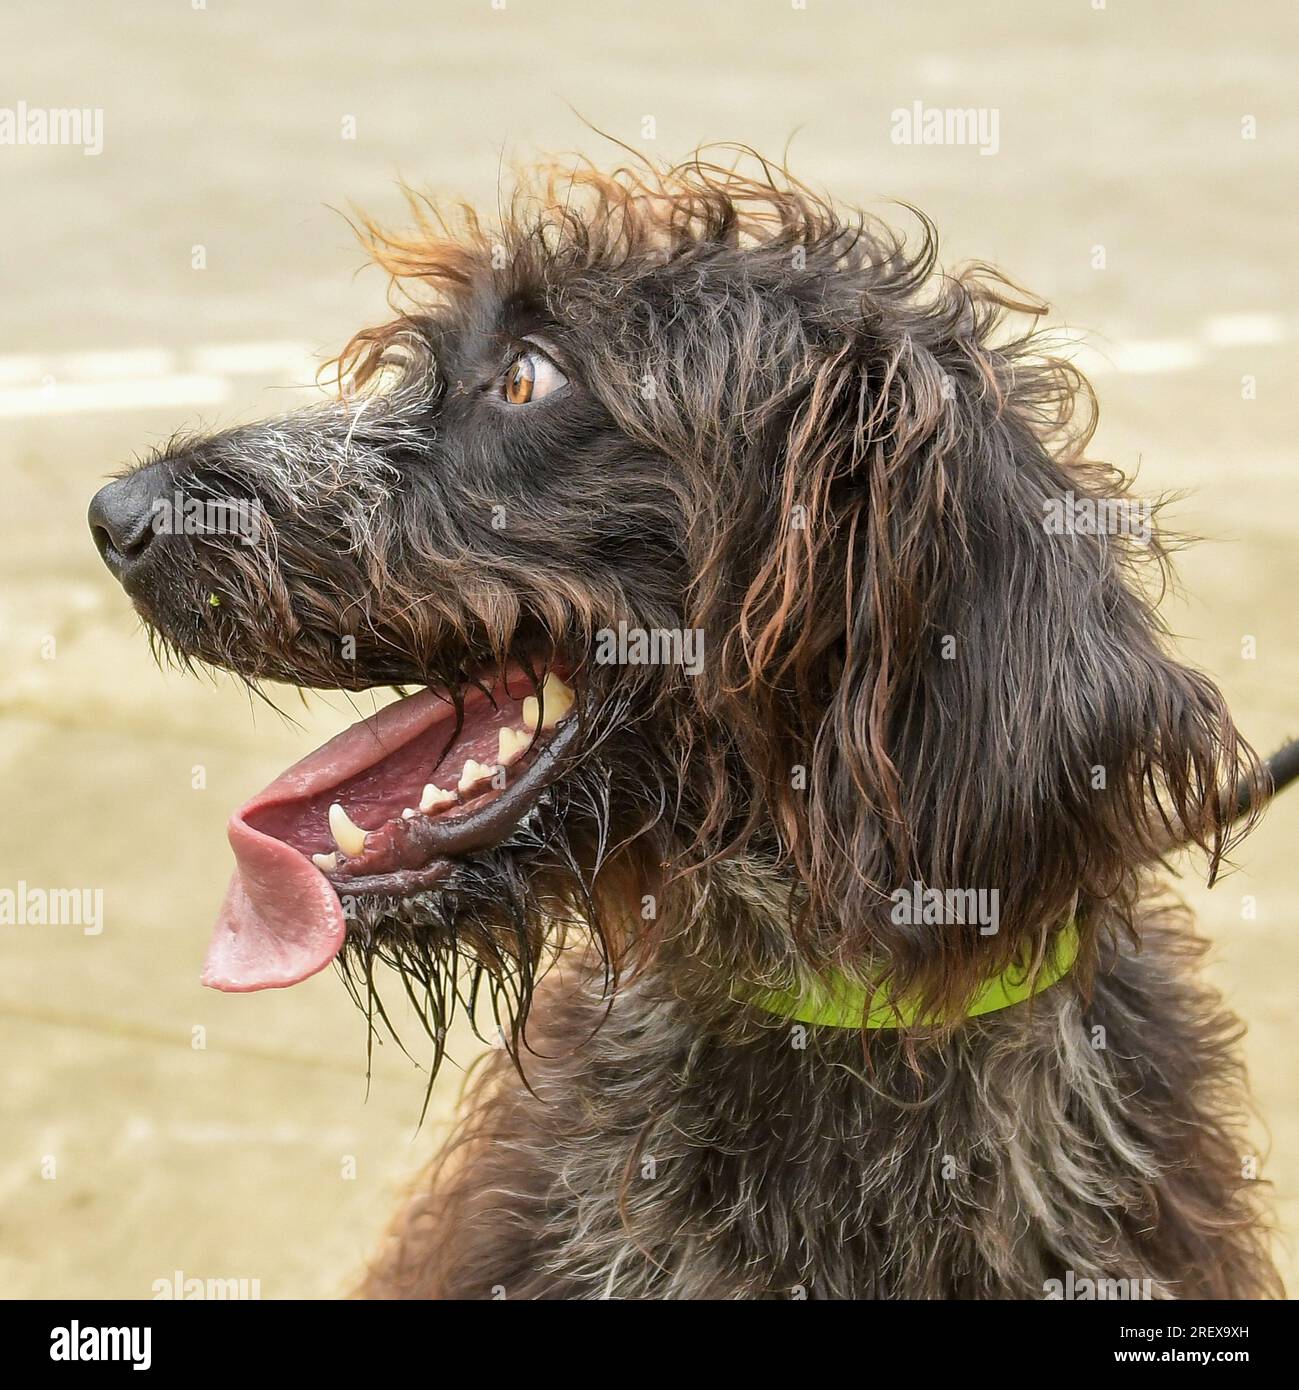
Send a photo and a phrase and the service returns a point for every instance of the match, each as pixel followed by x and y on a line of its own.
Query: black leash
pixel 1279 771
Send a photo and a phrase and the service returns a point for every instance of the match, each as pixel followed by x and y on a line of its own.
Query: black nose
pixel 121 517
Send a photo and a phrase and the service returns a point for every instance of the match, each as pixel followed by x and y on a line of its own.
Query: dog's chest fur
pixel 658 1156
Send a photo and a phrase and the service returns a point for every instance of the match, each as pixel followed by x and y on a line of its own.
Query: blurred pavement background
pixel 194 272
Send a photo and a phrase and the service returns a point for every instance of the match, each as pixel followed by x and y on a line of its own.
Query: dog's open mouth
pixel 384 809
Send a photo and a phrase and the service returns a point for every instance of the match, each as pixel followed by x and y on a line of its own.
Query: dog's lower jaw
pixel 669 1152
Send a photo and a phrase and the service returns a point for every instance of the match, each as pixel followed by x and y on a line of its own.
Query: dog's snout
pixel 121 517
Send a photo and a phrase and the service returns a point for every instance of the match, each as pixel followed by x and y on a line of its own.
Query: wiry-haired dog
pixel 794 739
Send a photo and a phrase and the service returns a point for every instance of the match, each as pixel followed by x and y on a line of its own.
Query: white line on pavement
pixel 150 377
pixel 129 393
pixel 144 378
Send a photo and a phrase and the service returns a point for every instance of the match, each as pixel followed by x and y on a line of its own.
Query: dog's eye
pixel 531 376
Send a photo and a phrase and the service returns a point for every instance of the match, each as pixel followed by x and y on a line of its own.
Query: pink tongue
pixel 281 920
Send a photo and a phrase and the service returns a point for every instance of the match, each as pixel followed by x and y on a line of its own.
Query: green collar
pixel 837 1002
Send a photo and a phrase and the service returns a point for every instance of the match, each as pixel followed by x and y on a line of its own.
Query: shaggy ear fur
pixel 933 684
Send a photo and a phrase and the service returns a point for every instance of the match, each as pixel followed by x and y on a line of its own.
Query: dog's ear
pixel 933 648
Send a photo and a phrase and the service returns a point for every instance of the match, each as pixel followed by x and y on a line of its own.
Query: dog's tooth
pixel 558 698
pixel 513 744
pixel 474 773
pixel 559 693
pixel 348 836
pixel 435 798
pixel 326 863
pixel 409 813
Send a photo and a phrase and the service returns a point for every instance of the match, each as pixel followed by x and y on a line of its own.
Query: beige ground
pixel 223 128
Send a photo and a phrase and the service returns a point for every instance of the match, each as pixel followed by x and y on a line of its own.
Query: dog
pixel 788 748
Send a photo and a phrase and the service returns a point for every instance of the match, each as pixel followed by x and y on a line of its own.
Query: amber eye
pixel 531 376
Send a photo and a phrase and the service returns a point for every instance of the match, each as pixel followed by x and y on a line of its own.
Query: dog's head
pixel 739 558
